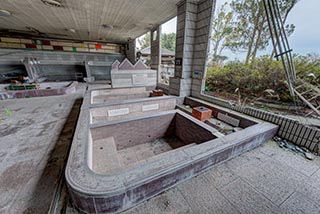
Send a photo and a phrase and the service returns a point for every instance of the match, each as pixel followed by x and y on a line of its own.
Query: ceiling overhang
pixel 94 20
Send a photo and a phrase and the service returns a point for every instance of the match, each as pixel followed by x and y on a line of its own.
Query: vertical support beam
pixel 89 77
pixel 131 51
pixel 202 45
pixel 156 50
pixel 88 70
pixel 194 25
pixel 180 84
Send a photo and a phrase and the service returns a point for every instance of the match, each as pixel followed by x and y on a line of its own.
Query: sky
pixel 306 38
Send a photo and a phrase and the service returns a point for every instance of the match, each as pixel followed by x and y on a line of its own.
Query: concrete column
pixel 131 51
pixel 192 45
pixel 202 45
pixel 156 50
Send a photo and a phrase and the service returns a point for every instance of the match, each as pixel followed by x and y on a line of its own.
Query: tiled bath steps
pixel 292 130
pixel 223 127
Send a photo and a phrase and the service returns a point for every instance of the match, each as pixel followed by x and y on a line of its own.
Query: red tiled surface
pixel 157 93
pixel 201 113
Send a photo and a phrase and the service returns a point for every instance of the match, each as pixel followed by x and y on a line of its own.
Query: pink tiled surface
pixel 140 131
pixel 189 132
pixel 100 114
pixel 134 132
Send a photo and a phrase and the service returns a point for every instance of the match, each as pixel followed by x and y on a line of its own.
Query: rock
pixel 294 148
pixel 309 155
pixel 236 129
pixel 298 149
pixel 305 149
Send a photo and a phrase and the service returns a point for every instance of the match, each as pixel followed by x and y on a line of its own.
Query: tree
pixel 250 31
pixel 221 29
pixel 145 41
pixel 168 41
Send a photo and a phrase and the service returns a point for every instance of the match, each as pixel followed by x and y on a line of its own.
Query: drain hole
pixel 129 141
pixel 149 136
pixel 101 147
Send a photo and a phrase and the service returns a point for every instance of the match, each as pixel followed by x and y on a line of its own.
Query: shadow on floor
pixel 50 189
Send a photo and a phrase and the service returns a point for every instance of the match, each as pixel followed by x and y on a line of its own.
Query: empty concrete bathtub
pixel 114 165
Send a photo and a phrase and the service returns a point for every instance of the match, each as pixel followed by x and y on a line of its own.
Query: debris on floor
pixel 296 149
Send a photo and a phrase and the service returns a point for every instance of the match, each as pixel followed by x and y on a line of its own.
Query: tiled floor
pixel 35 134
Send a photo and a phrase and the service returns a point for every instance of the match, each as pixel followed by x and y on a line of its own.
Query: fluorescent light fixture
pixel 107 27
pixel 71 30
pixel 53 3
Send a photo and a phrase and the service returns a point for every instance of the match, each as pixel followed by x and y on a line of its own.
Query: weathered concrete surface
pixel 42 92
pixel 34 143
pixel 264 180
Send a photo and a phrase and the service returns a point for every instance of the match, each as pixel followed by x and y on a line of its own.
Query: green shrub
pixel 264 73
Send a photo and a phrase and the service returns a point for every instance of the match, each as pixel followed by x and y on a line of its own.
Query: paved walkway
pixel 35 135
pixel 264 180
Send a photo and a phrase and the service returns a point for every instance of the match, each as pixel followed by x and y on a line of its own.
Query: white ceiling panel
pixel 129 18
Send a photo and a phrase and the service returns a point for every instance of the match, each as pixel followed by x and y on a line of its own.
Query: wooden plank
pixel 307 102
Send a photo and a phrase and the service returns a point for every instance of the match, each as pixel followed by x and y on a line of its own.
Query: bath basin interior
pixel 123 144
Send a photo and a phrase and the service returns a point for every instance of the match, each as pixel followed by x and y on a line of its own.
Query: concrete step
pixel 184 109
pixel 105 157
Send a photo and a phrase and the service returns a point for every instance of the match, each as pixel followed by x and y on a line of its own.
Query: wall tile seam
pixel 198 51
pixel 203 19
pixel 198 29
pixel 181 20
pixel 194 29
pixel 181 13
pixel 200 44
pixel 190 12
pixel 201 11
pixel 192 21
pixel 181 37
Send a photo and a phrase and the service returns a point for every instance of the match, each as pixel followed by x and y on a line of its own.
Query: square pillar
pixel 156 50
pixel 131 51
pixel 194 23
pixel 205 17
